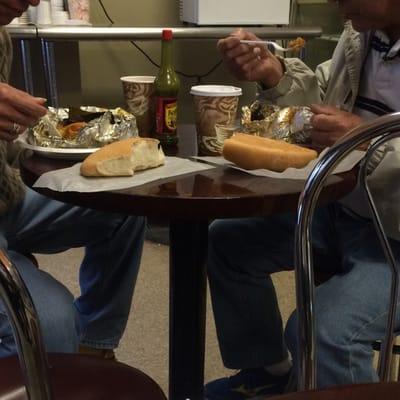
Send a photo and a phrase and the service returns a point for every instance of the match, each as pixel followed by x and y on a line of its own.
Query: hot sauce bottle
pixel 166 88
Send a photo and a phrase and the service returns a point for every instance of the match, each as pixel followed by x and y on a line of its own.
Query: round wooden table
pixel 189 203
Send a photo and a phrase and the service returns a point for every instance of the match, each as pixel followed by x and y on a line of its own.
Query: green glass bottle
pixel 166 88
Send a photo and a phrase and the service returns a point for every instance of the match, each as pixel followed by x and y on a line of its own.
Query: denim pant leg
pixel 113 247
pixel 247 318
pixel 351 308
pixel 57 316
pixel 242 255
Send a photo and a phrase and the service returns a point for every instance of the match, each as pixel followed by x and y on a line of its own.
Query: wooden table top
pixel 221 192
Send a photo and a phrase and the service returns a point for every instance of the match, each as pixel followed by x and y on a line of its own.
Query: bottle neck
pixel 166 54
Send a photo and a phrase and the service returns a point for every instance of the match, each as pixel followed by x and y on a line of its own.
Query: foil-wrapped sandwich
pixel 291 124
pixel 83 127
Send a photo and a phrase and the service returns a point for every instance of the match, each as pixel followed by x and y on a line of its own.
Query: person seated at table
pixel 361 82
pixel 30 222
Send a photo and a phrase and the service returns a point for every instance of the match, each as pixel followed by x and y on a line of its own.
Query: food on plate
pixel 297 44
pixel 291 124
pixel 255 152
pixel 70 131
pixel 124 157
pixel 83 127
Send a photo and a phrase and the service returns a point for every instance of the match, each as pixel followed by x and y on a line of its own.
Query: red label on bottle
pixel 166 115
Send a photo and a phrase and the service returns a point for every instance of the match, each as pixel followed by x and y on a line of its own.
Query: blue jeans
pixel 350 309
pixel 113 246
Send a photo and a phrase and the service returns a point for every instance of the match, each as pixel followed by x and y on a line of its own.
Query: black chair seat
pixel 78 377
pixel 371 391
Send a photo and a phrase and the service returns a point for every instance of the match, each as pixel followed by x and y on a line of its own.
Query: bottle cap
pixel 167 34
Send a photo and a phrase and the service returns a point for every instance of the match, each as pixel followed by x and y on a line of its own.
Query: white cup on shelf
pixel 57 5
pixel 43 14
pixel 15 21
pixel 59 17
pixel 32 13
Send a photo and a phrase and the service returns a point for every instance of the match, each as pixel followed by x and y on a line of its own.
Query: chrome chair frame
pixel 23 317
pixel 386 128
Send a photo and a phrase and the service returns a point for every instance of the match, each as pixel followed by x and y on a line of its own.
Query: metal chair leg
pixel 25 323
pixel 388 127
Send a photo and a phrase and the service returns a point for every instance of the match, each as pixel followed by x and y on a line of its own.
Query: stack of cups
pixel 32 12
pixel 58 14
pixel 43 13
pixel 24 18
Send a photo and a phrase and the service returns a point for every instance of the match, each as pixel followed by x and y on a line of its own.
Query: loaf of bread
pixel 124 157
pixel 255 152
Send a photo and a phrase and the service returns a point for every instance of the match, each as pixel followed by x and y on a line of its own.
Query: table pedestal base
pixel 188 253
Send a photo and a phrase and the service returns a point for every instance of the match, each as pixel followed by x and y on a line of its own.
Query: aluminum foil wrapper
pixel 291 124
pixel 98 127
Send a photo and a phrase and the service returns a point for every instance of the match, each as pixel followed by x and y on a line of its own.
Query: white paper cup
pixel 32 14
pixel 138 94
pixel 213 104
pixel 43 13
pixel 59 17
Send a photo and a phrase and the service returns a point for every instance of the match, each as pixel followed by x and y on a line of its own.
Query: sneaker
pixel 107 354
pixel 254 383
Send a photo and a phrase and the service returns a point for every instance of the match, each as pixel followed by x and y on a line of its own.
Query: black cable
pixel 105 12
pixel 196 76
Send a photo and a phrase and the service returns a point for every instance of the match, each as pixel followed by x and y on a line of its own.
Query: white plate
pixel 56 152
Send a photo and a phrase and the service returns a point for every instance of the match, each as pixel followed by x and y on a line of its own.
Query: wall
pixel 103 63
pixel 323 14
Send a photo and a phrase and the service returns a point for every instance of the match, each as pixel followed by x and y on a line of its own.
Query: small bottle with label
pixel 166 88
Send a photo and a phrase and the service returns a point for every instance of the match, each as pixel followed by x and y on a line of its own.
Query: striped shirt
pixel 379 92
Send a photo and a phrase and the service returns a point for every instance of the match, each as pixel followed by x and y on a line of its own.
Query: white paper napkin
pixel 291 173
pixel 70 180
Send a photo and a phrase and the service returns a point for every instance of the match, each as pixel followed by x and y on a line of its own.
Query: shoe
pixel 254 383
pixel 107 354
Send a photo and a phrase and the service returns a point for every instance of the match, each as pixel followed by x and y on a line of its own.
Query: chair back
pixel 386 128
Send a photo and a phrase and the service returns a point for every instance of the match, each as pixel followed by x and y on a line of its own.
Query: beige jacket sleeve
pixel 298 86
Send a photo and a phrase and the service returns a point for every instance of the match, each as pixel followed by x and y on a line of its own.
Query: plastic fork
pixel 266 43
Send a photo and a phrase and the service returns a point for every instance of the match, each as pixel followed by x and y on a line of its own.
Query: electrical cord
pixel 198 77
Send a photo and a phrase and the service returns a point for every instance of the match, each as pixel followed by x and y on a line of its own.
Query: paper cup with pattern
pixel 213 104
pixel 138 93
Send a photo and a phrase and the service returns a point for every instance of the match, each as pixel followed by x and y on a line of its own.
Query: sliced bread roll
pixel 123 158
pixel 255 152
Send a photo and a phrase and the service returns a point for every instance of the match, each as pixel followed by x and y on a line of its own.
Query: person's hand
pixel 10 9
pixel 330 124
pixel 18 110
pixel 250 62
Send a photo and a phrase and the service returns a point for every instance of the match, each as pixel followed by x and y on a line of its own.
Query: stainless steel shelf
pixel 57 33
pixel 50 34
pixel 154 33
pixel 22 31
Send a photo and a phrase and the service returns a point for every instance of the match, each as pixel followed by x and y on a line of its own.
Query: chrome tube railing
pixel 387 127
pixel 23 317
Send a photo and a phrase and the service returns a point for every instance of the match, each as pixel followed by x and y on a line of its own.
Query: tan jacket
pixel 11 186
pixel 336 82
